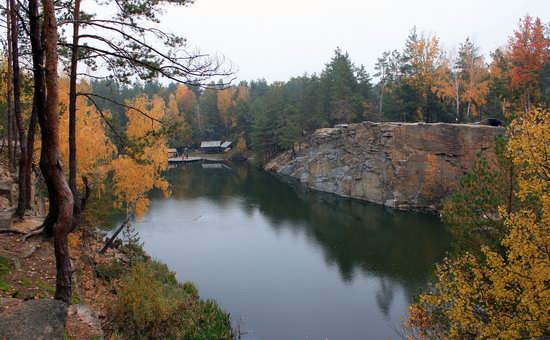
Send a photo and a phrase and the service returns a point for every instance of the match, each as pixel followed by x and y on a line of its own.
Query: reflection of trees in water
pixel 357 237
pixel 384 296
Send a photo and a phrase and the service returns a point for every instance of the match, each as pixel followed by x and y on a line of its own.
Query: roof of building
pixel 226 144
pixel 172 150
pixel 211 144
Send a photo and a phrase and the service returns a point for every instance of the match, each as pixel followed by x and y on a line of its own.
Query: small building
pixel 172 153
pixel 213 146
pixel 226 146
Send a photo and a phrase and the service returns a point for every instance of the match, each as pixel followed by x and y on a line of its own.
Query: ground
pixel 27 271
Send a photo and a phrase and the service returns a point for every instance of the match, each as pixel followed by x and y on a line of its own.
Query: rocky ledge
pixel 408 166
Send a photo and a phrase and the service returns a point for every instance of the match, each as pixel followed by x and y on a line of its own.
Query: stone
pixel 34 319
pixel 6 189
pixel 407 166
pixel 89 317
pixel 4 203
pixel 6 220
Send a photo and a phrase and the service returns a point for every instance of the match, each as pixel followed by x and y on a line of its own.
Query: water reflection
pixel 380 254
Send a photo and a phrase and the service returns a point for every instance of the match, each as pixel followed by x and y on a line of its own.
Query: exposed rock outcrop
pixel 33 319
pixel 402 165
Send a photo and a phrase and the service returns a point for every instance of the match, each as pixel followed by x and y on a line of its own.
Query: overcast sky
pixel 278 39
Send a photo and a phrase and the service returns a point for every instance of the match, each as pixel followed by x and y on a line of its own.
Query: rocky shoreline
pixel 406 166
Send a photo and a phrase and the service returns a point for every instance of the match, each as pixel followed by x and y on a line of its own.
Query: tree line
pixel 421 83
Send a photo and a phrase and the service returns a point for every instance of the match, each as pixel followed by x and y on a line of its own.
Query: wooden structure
pixel 179 160
pixel 212 146
pixel 172 153
pixel 215 146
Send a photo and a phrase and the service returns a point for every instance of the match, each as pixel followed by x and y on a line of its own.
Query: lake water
pixel 288 262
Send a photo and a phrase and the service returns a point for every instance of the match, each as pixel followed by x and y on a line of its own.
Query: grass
pixel 151 303
pixel 4 286
pixel 46 286
pixel 4 270
pixel 4 266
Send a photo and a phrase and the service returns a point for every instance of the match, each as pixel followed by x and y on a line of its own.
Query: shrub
pixel 152 304
pixel 111 270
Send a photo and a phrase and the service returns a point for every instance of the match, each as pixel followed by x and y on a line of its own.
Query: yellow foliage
pixel 243 94
pixel 95 150
pixel 73 240
pixel 241 145
pixel 504 296
pixel 447 84
pixel 176 119
pixel 226 102
pixel 134 176
pixel 529 146
pixel 185 99
pixel 424 59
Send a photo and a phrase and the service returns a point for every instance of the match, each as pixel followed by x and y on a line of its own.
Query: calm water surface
pixel 291 263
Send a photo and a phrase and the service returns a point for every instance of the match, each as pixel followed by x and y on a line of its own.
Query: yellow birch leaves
pixel 134 176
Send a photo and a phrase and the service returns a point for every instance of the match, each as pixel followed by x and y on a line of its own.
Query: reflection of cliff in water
pixel 358 237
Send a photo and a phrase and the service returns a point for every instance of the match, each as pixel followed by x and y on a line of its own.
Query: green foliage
pixel 4 266
pixel 4 286
pixel 152 304
pixel 472 213
pixel 4 270
pixel 132 245
pixel 111 270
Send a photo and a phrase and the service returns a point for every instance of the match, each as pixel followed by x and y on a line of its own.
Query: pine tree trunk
pixel 468 110
pixel 382 85
pixel 21 202
pixel 72 115
pixel 50 162
pixel 39 98
pixel 30 155
pixel 9 94
pixel 457 99
pixel 13 133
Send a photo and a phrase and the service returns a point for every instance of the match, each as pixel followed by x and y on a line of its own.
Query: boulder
pixel 34 319
pixel 6 189
pixel 4 203
pixel 6 220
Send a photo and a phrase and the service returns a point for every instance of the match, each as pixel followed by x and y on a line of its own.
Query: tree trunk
pixel 21 202
pixel 381 97
pixel 8 92
pixel 39 99
pixel 468 110
pixel 72 116
pixel 30 155
pixel 13 132
pixel 457 97
pixel 50 162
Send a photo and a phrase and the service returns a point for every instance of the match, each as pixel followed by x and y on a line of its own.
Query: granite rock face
pixel 34 319
pixel 409 166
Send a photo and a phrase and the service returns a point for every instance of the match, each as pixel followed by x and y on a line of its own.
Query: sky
pixel 278 39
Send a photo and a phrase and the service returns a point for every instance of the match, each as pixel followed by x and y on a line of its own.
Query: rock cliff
pixel 409 166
